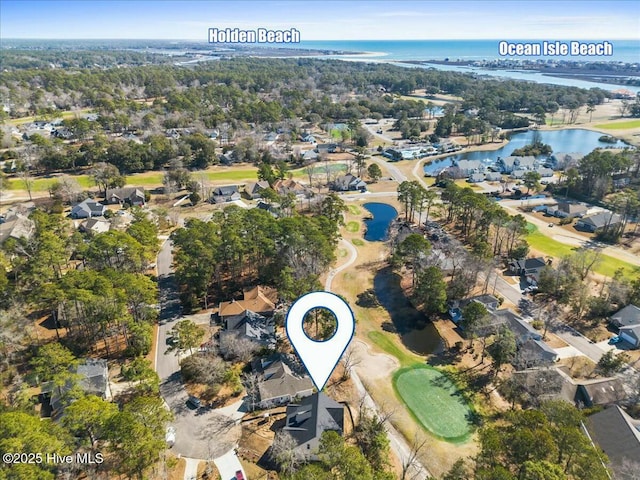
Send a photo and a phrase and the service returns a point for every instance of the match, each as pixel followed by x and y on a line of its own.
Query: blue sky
pixel 324 20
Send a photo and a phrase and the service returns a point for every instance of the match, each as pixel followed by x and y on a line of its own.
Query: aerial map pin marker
pixel 320 358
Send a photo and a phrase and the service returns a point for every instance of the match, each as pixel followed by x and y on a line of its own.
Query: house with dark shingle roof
pixel 252 326
pixel 87 209
pixel 598 221
pixel 626 317
pixel 631 334
pixel 529 268
pixel 569 210
pixel 348 182
pixel 282 379
pixel 307 420
pixel 253 190
pixel 226 193
pixel 600 392
pixel 618 435
pixel 129 195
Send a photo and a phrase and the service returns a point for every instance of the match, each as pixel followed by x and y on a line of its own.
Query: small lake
pixel 417 333
pixel 561 141
pixel 378 226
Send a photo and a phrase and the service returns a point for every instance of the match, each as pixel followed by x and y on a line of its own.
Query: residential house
pixel 226 193
pixel 546 383
pixel 631 334
pixel 16 226
pixel 308 138
pixel 618 435
pixel 493 177
pixel 545 172
pixel 467 167
pixel 490 302
pixel 281 380
pixel 95 225
pixel 529 268
pixel 133 196
pixel 600 392
pixel 270 138
pixel 522 329
pixel 518 173
pixel 272 208
pixel 253 190
pixel 626 317
pixel 326 148
pixel 349 182
pixel 310 156
pixel 307 420
pixel 476 178
pixel 228 158
pixel 93 379
pixel 249 325
pixel 511 163
pixel 284 187
pixel 569 210
pixel 598 221
pixel 87 209
pixel 563 161
pixel 534 353
pixel 257 299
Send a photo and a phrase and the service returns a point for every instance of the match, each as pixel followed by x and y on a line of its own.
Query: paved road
pixel 202 433
pixel 396 441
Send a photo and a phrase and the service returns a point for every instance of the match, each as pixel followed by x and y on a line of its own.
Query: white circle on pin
pixel 320 357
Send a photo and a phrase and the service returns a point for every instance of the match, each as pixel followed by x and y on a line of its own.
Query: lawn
pixel 434 401
pixel 353 227
pixel 357 242
pixel 548 246
pixel 619 125
pixel 354 209
pixel 384 342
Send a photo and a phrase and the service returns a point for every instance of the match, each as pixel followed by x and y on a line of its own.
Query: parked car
pixel 551 225
pixel 194 401
pixel 170 436
pixel 615 339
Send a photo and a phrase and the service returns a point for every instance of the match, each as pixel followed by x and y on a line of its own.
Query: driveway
pixel 228 465
pixel 200 433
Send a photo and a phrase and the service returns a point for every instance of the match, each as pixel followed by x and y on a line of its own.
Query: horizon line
pixel 334 39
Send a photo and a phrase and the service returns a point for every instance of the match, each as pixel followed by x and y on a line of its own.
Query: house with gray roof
pixel 310 418
pixel 618 435
pixel 226 193
pixel 562 161
pixel 625 317
pixel 130 195
pixel 569 210
pixel 467 167
pixel 631 334
pixel 529 268
pixel 534 353
pixel 281 380
pixel 511 163
pixel 87 209
pixel 92 378
pixel 493 177
pixel 600 392
pixel 349 182
pixel 598 221
pixel 17 226
pixel 249 325
pixel 253 190
pixel 476 178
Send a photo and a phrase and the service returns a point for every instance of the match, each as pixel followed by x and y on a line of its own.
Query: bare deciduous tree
pixel 350 359
pixel 410 465
pixel 284 453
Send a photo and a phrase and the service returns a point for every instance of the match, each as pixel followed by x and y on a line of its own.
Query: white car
pixel 170 436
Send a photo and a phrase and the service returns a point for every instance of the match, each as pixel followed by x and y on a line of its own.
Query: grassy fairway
pixel 354 209
pixel 434 401
pixel 357 242
pixel 353 227
pixel 548 246
pixel 385 342
pixel 619 125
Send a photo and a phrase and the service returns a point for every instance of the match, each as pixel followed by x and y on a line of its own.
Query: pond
pixel 378 226
pixel 561 141
pixel 417 333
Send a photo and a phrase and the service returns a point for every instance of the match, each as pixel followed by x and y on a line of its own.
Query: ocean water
pixel 403 50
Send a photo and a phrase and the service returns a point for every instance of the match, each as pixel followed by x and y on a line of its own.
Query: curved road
pixel 397 441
